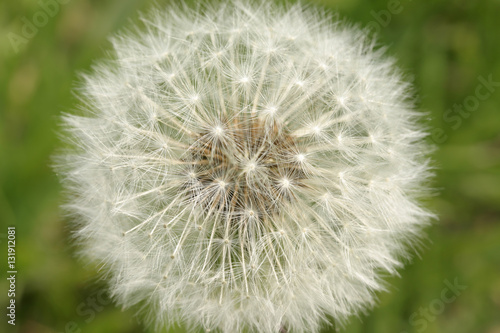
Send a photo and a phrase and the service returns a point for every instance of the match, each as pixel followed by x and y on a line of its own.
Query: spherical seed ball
pixel 246 167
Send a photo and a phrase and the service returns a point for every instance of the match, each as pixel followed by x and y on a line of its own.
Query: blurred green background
pixel 449 47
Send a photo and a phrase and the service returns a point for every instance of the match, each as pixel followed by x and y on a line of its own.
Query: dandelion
pixel 246 167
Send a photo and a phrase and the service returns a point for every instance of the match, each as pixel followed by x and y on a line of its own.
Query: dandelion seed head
pixel 246 167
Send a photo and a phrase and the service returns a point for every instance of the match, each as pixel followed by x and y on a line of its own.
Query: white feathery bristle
pixel 246 167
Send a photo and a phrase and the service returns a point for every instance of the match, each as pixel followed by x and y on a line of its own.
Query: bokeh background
pixel 448 47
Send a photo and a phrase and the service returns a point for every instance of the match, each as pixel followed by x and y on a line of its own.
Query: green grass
pixel 446 46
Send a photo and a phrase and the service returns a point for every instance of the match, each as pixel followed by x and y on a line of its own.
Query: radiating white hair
pixel 246 167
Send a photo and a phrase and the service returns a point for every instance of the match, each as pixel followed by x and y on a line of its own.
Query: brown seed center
pixel 245 166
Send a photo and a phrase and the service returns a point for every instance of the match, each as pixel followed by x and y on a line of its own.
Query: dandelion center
pixel 251 166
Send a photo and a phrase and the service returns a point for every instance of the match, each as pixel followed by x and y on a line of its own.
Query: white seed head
pixel 246 168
